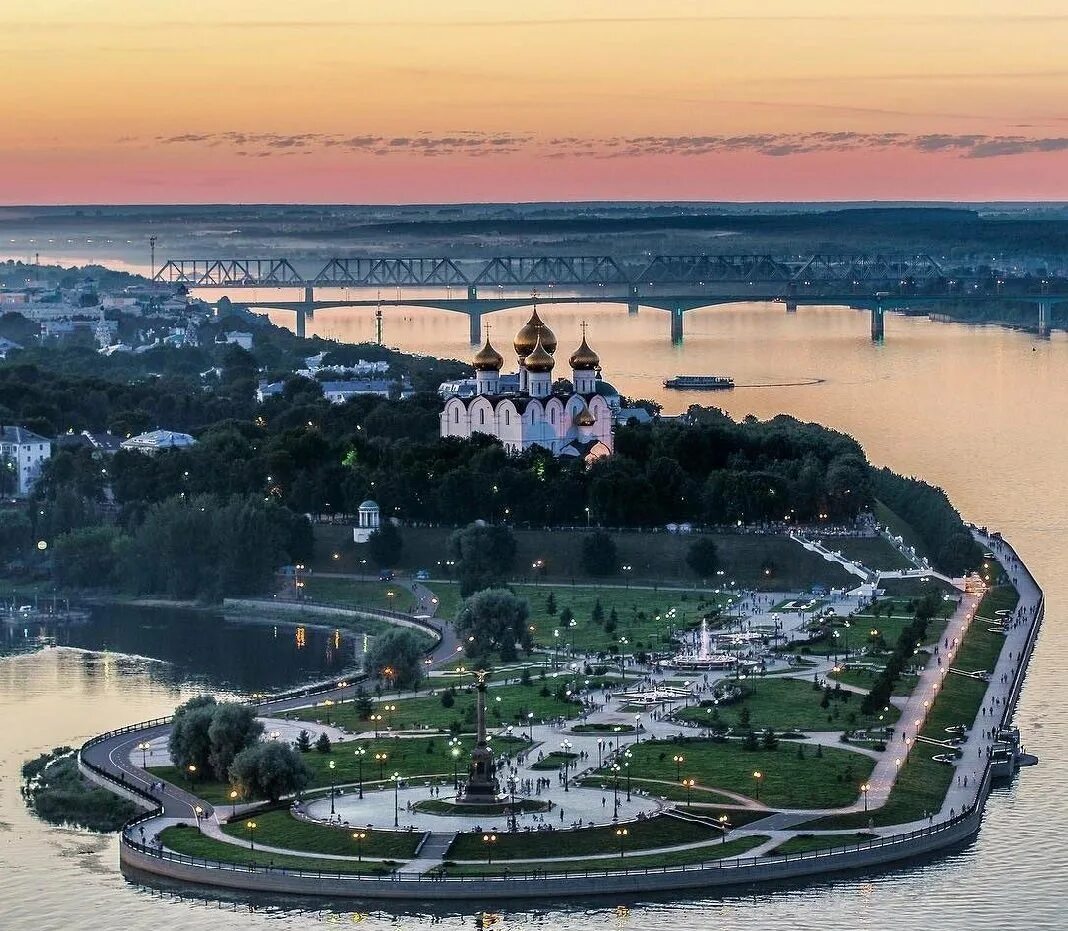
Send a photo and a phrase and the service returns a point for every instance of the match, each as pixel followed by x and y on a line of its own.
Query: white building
pixel 367 522
pixel 155 440
pixel 239 338
pixel 22 455
pixel 576 423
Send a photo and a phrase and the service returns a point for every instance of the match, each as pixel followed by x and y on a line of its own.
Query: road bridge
pixel 673 283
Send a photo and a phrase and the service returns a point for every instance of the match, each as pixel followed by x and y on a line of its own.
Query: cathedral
pixel 524 410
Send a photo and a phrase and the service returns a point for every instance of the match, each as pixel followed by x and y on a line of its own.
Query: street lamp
pixel 454 750
pixel 689 783
pixel 250 826
pixel 530 724
pixel 626 574
pixel 192 768
pixel 565 746
pixel 380 759
pixel 233 803
pixel 758 776
pixel 359 837
pixel 864 788
pixel 623 659
pixel 678 759
pixel 615 791
pixel 144 747
pixel 396 800
pixel 376 719
pixel 725 825
pixel 389 709
pixel 621 833
pixel 637 728
pixel 626 766
pixel 198 812
pixel 332 765
pixel 489 840
pixel 360 752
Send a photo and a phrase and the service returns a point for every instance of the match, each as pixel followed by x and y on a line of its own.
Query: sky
pixel 422 101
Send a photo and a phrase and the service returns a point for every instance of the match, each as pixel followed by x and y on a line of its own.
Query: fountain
pixel 702 655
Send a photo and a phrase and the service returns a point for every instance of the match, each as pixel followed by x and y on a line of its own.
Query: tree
pixel 86 557
pixel 597 615
pixel 189 743
pixel 599 554
pixel 322 743
pixel 385 544
pixel 233 728
pixel 494 620
pixel 269 771
pixel 768 740
pixel 363 702
pixel 703 557
pixel 550 604
pixel 397 656
pixel 484 555
pixel 303 744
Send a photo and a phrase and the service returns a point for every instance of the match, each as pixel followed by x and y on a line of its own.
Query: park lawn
pixel 554 760
pixel 788 781
pixel 194 844
pixel 642 615
pixel 448 595
pixel 920 788
pixel 803 843
pixel 865 678
pixel 280 829
pixel 700 795
pixel 359 594
pixel 789 705
pixel 411 757
pixel 982 646
pixel 653 861
pixel 506 704
pixel 662 831
pixel 958 702
pixel 900 527
pixel 871 552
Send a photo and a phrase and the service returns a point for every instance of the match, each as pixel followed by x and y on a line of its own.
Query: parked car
pixel 422 575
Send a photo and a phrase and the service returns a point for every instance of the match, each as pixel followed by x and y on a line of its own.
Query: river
pixel 980 411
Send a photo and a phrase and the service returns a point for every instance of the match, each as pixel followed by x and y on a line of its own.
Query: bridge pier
pixel 878 326
pixel 791 306
pixel 1045 312
pixel 474 314
pixel 676 325
pixel 632 301
pixel 305 313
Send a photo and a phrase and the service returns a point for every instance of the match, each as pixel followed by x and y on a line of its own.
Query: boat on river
pixel 700 382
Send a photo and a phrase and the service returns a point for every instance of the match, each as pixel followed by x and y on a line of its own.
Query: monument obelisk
pixel 482 785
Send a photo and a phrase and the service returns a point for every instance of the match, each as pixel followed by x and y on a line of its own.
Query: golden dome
pixel 584 358
pixel 539 359
pixel 528 334
pixel 584 418
pixel 487 359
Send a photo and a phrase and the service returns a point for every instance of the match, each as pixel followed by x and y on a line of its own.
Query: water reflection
pixel 180 646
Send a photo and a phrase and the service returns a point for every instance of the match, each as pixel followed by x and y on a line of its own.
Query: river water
pixel 980 411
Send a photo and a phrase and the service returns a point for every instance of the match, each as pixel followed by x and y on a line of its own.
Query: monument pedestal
pixel 482 784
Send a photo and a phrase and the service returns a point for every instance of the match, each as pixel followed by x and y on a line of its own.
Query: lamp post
pixel 198 813
pixel 530 724
pixel 489 840
pixel 359 836
pixel 380 759
pixel 389 709
pixel 376 721
pixel 192 770
pixel 250 826
pixel 637 728
pixel 626 574
pixel 626 766
pixel 689 783
pixel 623 659
pixel 725 825
pixel 615 791
pixel 678 759
pixel 758 776
pixel 233 803
pixel 360 752
pixel 454 751
pixel 332 764
pixel 622 833
pixel 144 747
pixel 864 789
pixel 600 750
pixel 396 800
pixel 565 746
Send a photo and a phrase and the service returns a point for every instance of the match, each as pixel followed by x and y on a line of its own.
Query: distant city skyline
pixel 266 101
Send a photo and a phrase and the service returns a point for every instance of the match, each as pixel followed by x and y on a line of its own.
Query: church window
pixel 552 416
pixel 456 415
pixel 507 418
pixel 482 417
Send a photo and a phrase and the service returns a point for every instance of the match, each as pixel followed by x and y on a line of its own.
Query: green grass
pixel 699 795
pixel 704 854
pixel 359 594
pixel 554 760
pixel 865 678
pixel 900 527
pixel 803 843
pixel 412 758
pixel 656 557
pixel 789 704
pixel 920 787
pixel 642 615
pixel 871 552
pixel 194 844
pixel 643 835
pixel 516 702
pixel 281 829
pixel 828 781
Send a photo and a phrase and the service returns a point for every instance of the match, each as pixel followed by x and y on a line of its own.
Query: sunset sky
pixel 158 101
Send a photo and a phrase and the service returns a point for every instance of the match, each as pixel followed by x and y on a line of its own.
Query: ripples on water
pixel 980 411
